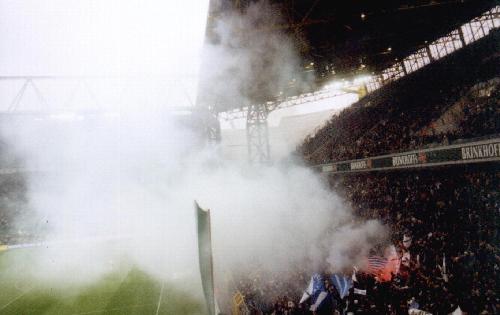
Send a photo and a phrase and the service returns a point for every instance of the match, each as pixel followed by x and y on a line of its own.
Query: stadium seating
pixel 397 117
pixel 450 213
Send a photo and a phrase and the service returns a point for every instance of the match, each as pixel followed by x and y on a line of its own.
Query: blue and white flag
pixel 308 292
pixel 342 284
pixel 318 302
pixel 314 288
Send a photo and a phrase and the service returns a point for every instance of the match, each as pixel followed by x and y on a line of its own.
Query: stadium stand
pixel 444 221
pixel 391 119
pixel 450 213
pixel 13 204
pixel 462 231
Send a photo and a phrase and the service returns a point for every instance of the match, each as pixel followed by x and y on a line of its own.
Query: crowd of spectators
pixel 443 221
pixel 399 117
pixel 402 125
pixel 452 217
pixel 13 207
pixel 404 130
pixel 265 292
pixel 451 213
pixel 482 114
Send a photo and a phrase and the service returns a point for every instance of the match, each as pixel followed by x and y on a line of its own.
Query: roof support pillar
pixel 258 134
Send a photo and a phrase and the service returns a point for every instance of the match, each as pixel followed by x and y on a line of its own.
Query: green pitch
pixel 129 291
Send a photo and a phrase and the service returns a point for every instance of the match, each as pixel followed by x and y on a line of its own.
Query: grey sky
pixel 99 36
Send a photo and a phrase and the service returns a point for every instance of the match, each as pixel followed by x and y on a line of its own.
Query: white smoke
pixel 250 58
pixel 121 189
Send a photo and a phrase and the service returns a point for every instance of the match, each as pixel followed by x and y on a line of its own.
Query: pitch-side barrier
pixel 463 153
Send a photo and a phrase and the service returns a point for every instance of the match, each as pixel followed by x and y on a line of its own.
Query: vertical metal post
pixel 257 134
pixel 209 119
pixel 429 52
pixel 213 128
pixel 462 38
pixel 404 68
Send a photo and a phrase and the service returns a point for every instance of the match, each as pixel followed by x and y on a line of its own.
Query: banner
pixel 205 257
pixel 471 152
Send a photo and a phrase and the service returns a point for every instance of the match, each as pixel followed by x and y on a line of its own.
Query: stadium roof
pixel 347 36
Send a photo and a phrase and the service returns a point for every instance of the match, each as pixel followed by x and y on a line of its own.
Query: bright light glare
pixel 356 82
pixel 361 79
pixel 335 85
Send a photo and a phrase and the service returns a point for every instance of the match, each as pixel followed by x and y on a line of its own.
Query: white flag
pixel 308 292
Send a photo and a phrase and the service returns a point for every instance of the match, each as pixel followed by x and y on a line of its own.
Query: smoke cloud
pixel 119 190
pixel 249 59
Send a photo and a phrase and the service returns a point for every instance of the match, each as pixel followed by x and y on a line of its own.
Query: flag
pixel 321 297
pixel 342 284
pixel 383 268
pixel 205 258
pixel 314 288
pixel 318 287
pixel 315 291
pixel 376 265
pixel 308 292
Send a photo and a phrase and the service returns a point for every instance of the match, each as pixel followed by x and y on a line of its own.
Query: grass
pixel 130 292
